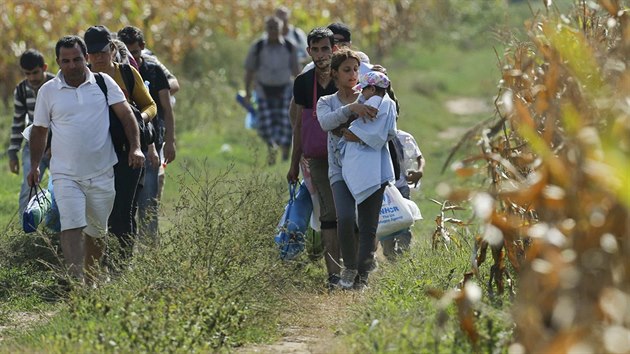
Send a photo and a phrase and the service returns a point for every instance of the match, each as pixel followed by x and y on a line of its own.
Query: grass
pixel 214 280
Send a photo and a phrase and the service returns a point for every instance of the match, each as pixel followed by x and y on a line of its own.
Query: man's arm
pixel 37 143
pixel 128 121
pixel 293 114
pixel 414 176
pixel 296 149
pixel 169 125
pixel 249 77
pixel 19 123
pixel 172 81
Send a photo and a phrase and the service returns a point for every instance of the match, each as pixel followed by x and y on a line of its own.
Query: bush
pixel 208 283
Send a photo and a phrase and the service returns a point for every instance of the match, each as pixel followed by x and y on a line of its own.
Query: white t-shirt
pixel 411 152
pixel 79 119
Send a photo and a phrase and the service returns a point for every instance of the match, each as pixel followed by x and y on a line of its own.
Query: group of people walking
pixel 99 183
pixel 343 115
pixel 331 113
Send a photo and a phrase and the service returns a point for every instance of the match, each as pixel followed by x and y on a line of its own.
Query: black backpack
pixel 116 130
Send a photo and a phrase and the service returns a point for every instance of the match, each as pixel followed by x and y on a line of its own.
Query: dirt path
pixel 20 321
pixel 311 324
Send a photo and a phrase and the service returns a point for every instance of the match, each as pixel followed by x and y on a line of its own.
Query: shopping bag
pixel 251 118
pixel 36 209
pixel 397 213
pixel 294 222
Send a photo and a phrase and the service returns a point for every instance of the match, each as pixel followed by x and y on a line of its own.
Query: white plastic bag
pixel 397 213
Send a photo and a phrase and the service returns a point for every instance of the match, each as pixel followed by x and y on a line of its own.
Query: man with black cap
pixel 127 180
pixel 74 108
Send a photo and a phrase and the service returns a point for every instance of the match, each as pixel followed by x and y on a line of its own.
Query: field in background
pixel 427 73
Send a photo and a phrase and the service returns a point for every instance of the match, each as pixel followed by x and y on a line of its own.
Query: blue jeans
pixel 148 203
pixel 26 168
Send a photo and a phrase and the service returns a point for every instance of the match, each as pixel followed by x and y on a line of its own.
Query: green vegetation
pixel 213 280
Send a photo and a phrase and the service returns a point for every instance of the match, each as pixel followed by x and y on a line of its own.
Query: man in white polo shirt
pixel 73 106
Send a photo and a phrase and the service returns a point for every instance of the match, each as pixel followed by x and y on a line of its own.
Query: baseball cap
pixel 372 78
pixel 341 29
pixel 97 38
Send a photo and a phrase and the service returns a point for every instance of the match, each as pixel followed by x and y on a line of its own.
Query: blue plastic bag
pixel 294 222
pixel 251 119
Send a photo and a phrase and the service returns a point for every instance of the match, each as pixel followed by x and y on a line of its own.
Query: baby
pixel 364 142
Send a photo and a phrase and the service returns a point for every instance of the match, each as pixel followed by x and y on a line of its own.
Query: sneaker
pixel 333 281
pixel 361 282
pixel 347 278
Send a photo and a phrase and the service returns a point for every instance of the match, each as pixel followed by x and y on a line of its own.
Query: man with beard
pixel 310 141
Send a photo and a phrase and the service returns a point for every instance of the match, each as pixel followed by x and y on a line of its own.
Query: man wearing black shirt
pixel 159 87
pixel 310 141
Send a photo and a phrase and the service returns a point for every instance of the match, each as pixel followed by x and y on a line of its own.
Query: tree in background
pixel 177 28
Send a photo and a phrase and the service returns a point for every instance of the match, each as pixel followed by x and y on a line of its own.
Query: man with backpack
pixel 164 150
pixel 293 34
pixel 73 106
pixel 272 60
pixel 34 68
pixel 127 180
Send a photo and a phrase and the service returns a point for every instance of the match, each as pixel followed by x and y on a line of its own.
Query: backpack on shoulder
pixel 116 129
pixel 271 91
pixel 148 133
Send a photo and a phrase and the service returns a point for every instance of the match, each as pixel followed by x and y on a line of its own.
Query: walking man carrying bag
pixel 73 106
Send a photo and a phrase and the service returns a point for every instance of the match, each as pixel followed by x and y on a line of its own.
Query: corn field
pixel 557 165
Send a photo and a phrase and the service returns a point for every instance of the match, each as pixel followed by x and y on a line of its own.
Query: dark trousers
pixel 122 221
pixel 357 255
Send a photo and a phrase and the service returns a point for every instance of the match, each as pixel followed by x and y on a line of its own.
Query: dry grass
pixel 556 206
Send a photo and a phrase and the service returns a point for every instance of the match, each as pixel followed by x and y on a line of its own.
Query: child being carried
pixel 363 141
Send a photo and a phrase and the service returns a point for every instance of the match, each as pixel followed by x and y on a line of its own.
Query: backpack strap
pixel 288 45
pixel 101 83
pixel 296 36
pixel 259 47
pixel 128 78
pixel 260 44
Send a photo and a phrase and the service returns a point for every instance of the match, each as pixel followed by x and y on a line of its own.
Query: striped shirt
pixel 24 104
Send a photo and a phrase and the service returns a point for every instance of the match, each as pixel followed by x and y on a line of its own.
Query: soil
pixel 463 106
pixel 312 324
pixel 19 321
pixel 468 106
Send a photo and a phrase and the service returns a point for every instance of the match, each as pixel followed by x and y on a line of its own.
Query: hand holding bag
pixel 294 222
pixel 36 209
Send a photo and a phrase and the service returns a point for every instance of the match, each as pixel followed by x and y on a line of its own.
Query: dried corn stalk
pixel 558 159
